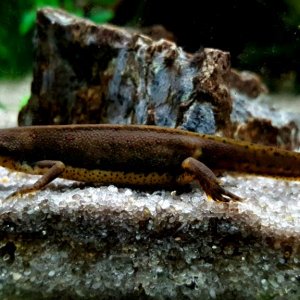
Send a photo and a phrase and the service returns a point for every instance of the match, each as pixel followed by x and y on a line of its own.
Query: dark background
pixel 261 35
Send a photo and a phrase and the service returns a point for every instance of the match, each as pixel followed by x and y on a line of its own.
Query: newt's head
pixel 14 141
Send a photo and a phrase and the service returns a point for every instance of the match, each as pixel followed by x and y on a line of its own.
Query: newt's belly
pixel 118 177
pixel 104 177
pixel 167 178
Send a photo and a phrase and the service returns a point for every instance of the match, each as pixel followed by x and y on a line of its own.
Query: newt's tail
pixel 243 157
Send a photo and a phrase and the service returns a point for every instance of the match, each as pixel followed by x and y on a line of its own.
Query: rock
pixel 85 73
pixel 103 74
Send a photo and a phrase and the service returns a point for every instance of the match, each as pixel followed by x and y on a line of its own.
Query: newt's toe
pixel 218 193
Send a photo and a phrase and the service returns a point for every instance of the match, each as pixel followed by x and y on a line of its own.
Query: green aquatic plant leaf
pixel 24 101
pixel 27 21
pixel 101 15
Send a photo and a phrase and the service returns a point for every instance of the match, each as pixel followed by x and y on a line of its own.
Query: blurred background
pixel 262 35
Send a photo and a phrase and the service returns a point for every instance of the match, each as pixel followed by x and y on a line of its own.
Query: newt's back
pixel 108 147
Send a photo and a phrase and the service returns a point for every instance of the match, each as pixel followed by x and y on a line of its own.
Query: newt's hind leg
pixel 48 168
pixel 207 179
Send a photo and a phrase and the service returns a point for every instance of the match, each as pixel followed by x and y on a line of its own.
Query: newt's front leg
pixel 50 170
pixel 196 170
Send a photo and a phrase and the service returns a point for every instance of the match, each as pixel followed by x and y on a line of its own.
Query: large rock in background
pixel 85 73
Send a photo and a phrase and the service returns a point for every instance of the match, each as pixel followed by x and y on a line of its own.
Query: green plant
pixel 100 11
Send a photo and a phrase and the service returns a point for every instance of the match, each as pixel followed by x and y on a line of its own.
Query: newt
pixel 138 155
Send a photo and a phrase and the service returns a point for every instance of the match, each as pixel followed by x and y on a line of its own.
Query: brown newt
pixel 138 155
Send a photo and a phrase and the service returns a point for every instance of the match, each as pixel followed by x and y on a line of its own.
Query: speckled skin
pixel 138 155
